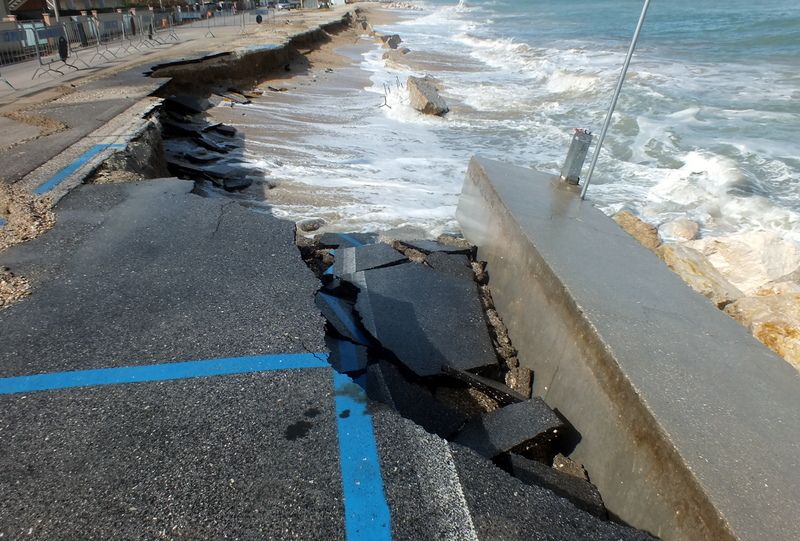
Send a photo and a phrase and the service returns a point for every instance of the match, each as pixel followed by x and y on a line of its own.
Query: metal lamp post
pixel 615 98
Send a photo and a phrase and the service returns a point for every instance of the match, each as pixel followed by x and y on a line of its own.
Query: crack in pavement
pixel 316 354
pixel 221 216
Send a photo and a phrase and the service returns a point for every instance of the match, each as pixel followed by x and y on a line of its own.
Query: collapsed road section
pixel 168 379
pixel 407 323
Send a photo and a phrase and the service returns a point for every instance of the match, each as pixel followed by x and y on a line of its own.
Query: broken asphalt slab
pixel 499 392
pixel 186 105
pixel 432 246
pixel 346 240
pixel 580 492
pixel 428 319
pixel 150 272
pixel 503 429
pixel 341 315
pixel 385 383
pixel 350 260
pixel 225 175
pixel 457 265
pixel 345 356
pixel 463 496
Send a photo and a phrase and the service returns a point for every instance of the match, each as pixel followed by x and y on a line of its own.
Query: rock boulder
pixel 645 233
pixel 425 97
pixel 392 42
pixel 699 274
pixel 751 260
pixel 681 229
pixel 778 287
pixel 310 224
pixel 396 54
pixel 774 320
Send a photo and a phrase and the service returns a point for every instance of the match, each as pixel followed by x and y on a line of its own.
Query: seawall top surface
pixel 727 404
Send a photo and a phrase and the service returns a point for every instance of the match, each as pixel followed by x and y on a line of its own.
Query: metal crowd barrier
pixel 54 47
pixel 134 34
pixel 79 42
pixel 189 16
pixel 159 28
pixel 107 42
pixel 16 44
pixel 257 16
pixel 166 27
pixel 242 19
pixel 53 50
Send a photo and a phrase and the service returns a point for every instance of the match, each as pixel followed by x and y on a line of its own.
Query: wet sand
pixel 329 75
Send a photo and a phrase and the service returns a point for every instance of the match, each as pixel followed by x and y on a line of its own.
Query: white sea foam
pixel 561 81
pixel 689 138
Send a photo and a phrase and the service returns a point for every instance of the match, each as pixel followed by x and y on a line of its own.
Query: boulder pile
pixel 391 42
pixel 754 277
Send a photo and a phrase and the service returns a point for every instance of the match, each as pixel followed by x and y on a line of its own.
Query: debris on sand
pixel 26 216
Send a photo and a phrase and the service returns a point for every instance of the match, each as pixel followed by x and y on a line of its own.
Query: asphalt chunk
pixel 346 240
pixel 426 318
pixel 500 392
pixel 188 105
pixel 456 265
pixel 501 430
pixel 341 315
pixel 346 357
pixel 385 383
pixel 580 492
pixel 431 246
pixel 371 256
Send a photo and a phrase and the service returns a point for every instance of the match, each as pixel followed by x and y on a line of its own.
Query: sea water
pixel 707 127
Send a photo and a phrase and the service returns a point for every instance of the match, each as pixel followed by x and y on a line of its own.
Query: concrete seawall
pixel 688 425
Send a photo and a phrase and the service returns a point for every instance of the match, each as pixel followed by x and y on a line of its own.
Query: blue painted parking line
pixel 347 356
pixel 361 381
pixel 333 302
pixel 161 372
pixel 79 162
pixel 329 270
pixel 352 240
pixel 3 222
pixel 366 513
pixel 367 516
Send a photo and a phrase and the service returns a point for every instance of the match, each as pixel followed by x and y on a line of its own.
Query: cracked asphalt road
pixel 143 273
pixel 150 272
